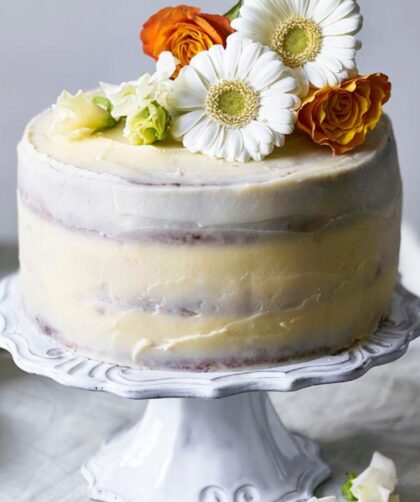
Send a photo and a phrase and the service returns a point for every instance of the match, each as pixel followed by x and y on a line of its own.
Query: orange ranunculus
pixel 341 117
pixel 184 31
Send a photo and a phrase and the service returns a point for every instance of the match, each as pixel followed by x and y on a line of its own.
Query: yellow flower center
pixel 297 40
pixel 232 103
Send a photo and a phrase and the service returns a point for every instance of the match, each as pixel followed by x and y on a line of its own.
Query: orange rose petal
pixel 340 117
pixel 184 31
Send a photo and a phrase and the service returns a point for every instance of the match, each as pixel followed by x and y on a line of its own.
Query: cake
pixel 141 252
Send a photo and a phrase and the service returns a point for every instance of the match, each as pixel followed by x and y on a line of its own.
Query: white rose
pixel 78 116
pixel 377 482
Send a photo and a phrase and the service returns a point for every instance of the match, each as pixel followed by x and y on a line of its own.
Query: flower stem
pixel 234 11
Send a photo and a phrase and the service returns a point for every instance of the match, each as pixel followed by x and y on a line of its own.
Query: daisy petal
pixel 315 75
pixel 279 139
pixel 302 82
pixel 345 9
pixel 274 100
pixel 271 8
pixel 232 54
pixel 280 128
pixel 213 150
pixel 321 10
pixel 270 114
pixel 260 132
pixel 341 42
pixel 234 145
pixel 345 26
pixel 184 123
pixel 300 6
pixel 328 61
pixel 190 92
pixel 247 59
pixel 201 136
pixel 203 65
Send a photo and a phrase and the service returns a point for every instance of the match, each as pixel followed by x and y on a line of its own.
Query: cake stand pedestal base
pixel 189 448
pixel 195 450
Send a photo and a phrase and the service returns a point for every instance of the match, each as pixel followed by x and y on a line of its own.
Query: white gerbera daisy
pixel 315 38
pixel 235 103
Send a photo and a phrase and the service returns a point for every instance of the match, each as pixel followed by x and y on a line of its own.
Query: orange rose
pixel 184 31
pixel 341 117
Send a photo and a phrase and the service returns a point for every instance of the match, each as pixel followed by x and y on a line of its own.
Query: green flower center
pixel 232 103
pixel 297 40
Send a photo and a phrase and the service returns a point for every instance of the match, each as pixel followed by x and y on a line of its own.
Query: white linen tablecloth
pixel 47 431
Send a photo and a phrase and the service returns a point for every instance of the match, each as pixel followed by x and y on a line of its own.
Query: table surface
pixel 47 431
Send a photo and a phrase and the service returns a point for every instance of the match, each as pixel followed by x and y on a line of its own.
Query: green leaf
pixel 346 489
pixel 103 102
pixel 233 13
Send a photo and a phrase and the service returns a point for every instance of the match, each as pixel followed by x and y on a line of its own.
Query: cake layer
pixel 81 185
pixel 155 256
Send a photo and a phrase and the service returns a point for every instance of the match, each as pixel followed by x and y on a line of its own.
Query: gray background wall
pixel 49 45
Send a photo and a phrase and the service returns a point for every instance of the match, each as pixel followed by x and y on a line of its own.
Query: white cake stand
pixel 233 449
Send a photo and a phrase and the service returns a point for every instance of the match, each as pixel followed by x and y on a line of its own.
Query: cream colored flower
pixel 315 38
pixel 129 98
pixel 147 125
pixel 236 103
pixel 78 116
pixel 377 482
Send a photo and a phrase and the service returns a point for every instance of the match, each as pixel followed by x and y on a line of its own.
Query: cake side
pixel 294 255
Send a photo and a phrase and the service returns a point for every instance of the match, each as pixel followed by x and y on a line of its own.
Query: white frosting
pixel 152 255
pixel 119 188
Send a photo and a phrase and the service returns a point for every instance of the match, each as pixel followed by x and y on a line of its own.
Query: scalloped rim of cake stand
pixel 35 353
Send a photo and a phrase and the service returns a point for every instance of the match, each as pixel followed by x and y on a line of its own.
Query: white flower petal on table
pixel 184 123
pixel 377 482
